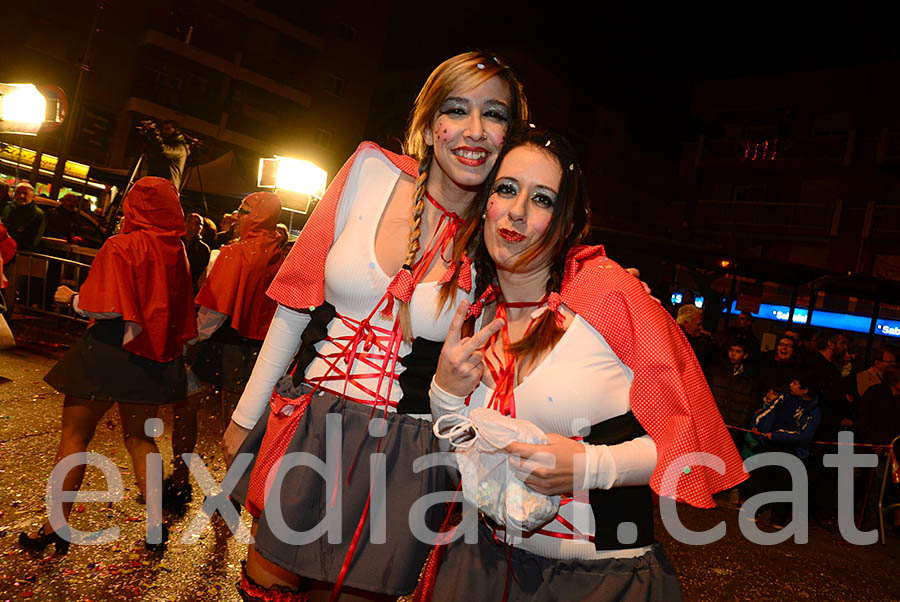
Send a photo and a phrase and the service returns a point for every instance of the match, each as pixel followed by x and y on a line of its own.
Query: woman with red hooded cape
pixel 232 322
pixel 138 295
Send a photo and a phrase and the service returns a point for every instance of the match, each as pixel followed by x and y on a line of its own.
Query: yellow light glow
pixel 22 103
pixel 300 176
pixel 24 157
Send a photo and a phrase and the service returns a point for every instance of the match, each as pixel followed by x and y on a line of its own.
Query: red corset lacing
pixel 378 348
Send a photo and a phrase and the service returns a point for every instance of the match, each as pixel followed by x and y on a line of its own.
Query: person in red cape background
pixel 138 295
pixel 232 322
pixel 7 252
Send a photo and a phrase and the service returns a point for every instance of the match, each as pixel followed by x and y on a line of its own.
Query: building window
pixel 832 124
pixel 752 193
pixel 335 85
pixel 322 138
pixel 347 33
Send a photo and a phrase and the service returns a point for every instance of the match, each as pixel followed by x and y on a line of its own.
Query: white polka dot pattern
pixel 669 394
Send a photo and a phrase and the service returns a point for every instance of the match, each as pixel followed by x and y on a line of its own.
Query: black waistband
pixel 315 331
pixel 618 506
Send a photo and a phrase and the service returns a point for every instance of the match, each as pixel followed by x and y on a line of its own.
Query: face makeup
pixel 521 205
pixel 466 136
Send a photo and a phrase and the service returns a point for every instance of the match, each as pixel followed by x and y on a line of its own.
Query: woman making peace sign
pixel 599 366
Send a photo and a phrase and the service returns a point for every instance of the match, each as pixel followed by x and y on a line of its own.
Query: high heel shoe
pixel 42 540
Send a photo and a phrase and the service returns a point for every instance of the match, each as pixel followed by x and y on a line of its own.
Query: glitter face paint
pixel 520 207
pixel 467 134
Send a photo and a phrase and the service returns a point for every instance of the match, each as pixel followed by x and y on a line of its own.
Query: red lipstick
pixel 510 235
pixel 474 156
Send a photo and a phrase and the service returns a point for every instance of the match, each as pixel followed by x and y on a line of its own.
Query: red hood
pixel 265 207
pixel 152 205
pixel 236 285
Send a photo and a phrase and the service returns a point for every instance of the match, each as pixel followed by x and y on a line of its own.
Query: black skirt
pixel 97 367
pixel 226 359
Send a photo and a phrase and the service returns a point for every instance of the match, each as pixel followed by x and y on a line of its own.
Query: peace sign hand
pixel 460 365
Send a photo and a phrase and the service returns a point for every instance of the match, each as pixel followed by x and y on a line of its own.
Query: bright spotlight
pixel 22 108
pixel 23 102
pixel 300 176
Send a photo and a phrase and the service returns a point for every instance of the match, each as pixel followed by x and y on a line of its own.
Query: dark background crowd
pixel 796 398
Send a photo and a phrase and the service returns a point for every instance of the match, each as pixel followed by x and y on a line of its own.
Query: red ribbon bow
pixel 465 274
pixel 281 404
pixel 401 287
pixel 486 297
pixel 554 302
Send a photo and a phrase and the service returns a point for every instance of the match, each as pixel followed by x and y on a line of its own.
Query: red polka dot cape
pixel 669 395
pixel 300 283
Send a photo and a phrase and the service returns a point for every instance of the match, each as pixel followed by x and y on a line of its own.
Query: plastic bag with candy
pixel 487 480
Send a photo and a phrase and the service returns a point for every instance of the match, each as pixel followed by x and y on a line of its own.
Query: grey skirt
pixel 479 571
pixel 388 557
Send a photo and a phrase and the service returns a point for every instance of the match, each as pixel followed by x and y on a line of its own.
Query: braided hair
pixel 463 71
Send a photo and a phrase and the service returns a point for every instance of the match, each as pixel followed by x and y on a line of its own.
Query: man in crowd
pixel 743 329
pixel 690 318
pixel 826 366
pixel 166 150
pixel 733 388
pixel 878 423
pixel 886 356
pixel 4 194
pixel 62 220
pixel 809 338
pixel 835 408
pixel 777 366
pixel 24 220
pixel 197 251
pixel 227 229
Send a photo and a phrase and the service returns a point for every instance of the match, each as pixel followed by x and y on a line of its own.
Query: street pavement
pixel 827 568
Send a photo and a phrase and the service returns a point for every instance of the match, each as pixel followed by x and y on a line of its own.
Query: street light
pixel 297 182
pixel 24 109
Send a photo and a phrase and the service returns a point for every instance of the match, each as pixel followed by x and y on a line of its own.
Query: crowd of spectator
pixel 30 225
pixel 796 398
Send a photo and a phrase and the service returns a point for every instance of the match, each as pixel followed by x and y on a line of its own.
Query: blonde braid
pixel 415 230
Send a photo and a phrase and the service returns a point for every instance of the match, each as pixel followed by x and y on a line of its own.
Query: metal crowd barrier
pixel 34 278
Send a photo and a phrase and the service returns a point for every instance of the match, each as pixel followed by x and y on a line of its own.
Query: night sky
pixel 644 61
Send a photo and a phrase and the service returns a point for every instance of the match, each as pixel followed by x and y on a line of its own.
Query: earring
pixel 484 216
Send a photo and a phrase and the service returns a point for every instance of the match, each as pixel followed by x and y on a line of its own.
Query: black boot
pixel 42 540
pixel 158 549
